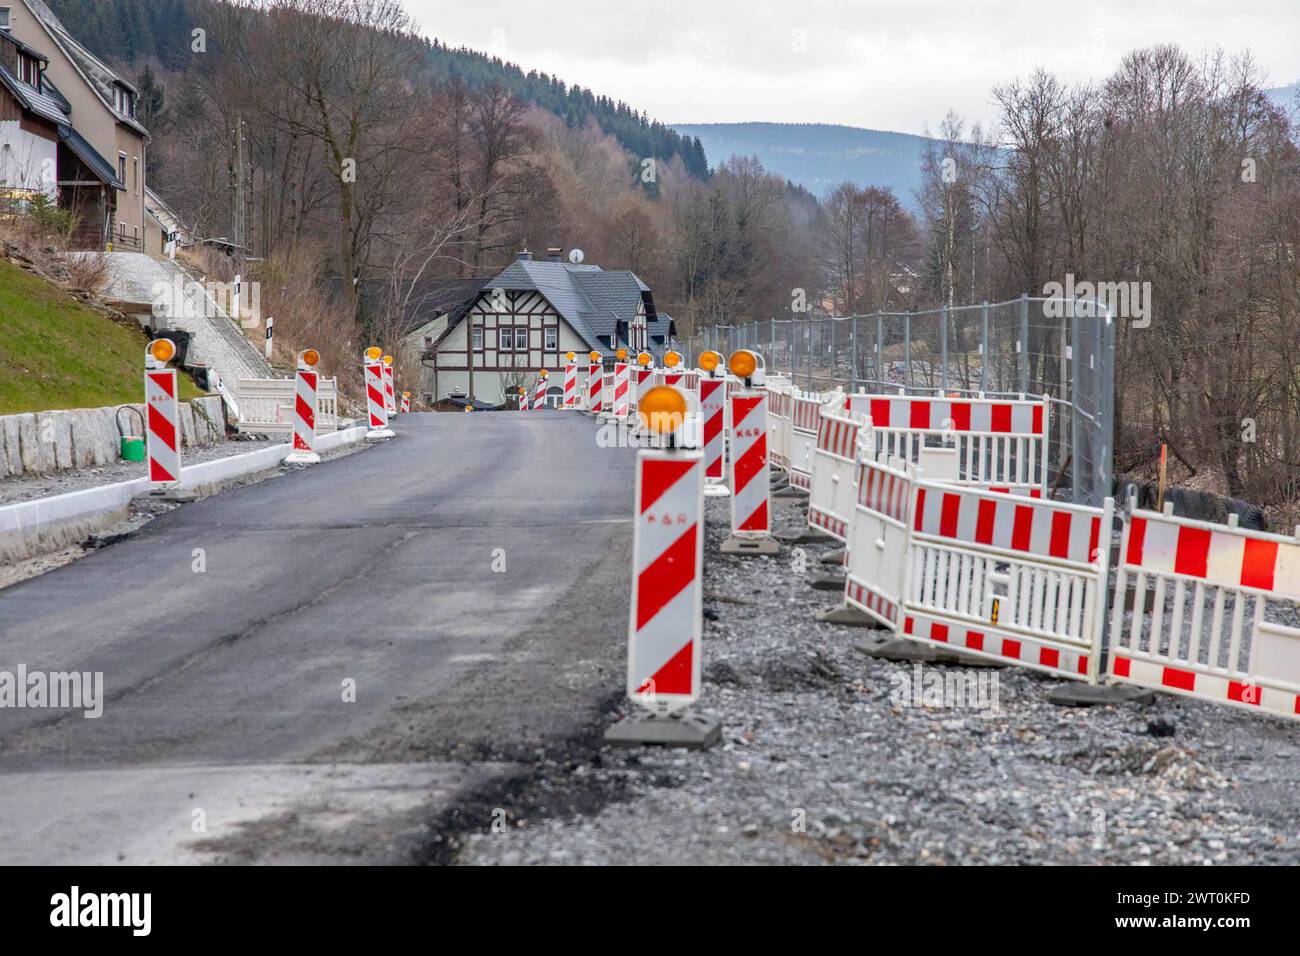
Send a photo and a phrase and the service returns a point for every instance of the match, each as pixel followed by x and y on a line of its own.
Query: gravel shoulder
pixel 829 756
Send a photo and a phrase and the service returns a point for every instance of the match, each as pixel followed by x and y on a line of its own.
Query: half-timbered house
pixel 486 338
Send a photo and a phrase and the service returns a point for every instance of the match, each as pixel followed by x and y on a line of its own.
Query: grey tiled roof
pixel 102 167
pixel 46 107
pixel 99 74
pixel 590 298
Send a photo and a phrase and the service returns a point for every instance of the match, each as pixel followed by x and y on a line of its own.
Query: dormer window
pixel 124 101
pixel 29 70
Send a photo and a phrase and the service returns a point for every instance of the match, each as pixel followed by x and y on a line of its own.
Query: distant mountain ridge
pixel 819 156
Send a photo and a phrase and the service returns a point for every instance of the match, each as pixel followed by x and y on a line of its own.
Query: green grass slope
pixel 56 353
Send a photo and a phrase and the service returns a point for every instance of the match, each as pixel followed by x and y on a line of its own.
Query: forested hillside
pixel 135 31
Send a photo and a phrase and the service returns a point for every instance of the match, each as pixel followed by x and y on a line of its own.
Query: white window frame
pixel 505 338
pixel 6 18
pixel 476 336
pixel 550 338
pixel 521 338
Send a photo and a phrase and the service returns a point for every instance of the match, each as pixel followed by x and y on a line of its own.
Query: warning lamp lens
pixel 543 374
pixel 406 395
pixel 672 359
pixel 374 352
pixel 622 354
pixel 310 357
pixel 594 356
pixel 709 361
pixel 742 363
pixel 388 360
pixel 162 350
pixel 662 409
pixel 569 356
pixel 645 358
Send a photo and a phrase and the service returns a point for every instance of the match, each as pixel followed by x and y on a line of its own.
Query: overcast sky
pixel 898 65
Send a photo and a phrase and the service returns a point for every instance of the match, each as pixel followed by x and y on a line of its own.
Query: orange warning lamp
pixel 672 359
pixel 621 354
pixel 388 360
pixel 742 363
pixel 644 359
pixel 406 395
pixel 710 360
pixel 569 356
pixel 594 356
pixel 544 374
pixel 374 352
pixel 309 358
pixel 662 409
pixel 162 350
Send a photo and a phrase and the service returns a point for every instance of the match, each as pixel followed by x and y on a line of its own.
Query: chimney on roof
pixel 555 254
pixel 525 256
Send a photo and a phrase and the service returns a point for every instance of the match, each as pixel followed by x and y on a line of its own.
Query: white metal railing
pixel 266 405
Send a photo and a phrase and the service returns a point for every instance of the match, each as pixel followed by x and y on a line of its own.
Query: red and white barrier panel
pixel 998 444
pixel 539 392
pixel 1212 630
pixel 406 402
pixel 570 386
pixel 622 391
pixel 750 482
pixel 1019 580
pixel 162 406
pixel 666 619
pixel 390 395
pixel 376 407
pixel 713 408
pixel 595 388
pixel 877 540
pixel 306 381
pixel 830 503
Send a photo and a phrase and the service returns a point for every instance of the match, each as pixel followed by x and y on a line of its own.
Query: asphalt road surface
pixel 227 632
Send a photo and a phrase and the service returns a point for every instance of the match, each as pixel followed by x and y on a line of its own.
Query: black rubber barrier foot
pixel 834 557
pixel 1086 695
pixel 891 648
pixel 847 615
pixel 176 496
pixel 684 729
pixel 828 582
pixel 790 491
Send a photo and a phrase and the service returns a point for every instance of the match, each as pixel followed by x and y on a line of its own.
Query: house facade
pixel 504 330
pixel 100 109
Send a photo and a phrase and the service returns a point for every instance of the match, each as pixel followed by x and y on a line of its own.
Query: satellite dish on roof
pixel 575 256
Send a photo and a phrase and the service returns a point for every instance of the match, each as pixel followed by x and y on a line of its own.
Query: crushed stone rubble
pixel 829 756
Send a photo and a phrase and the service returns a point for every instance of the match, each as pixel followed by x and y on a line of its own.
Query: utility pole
pixel 238 190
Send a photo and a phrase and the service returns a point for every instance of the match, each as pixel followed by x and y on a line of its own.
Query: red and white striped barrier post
pixel 406 402
pixel 304 411
pixel 162 408
pixel 376 407
pixel 570 382
pixel 390 396
pixel 751 511
pixel 595 384
pixel 622 387
pixel 539 395
pixel 643 379
pixel 666 618
pixel 713 408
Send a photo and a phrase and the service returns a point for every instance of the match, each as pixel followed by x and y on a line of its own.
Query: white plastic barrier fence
pixel 830 503
pixel 778 425
pixel 878 539
pixel 997 444
pixel 805 408
pixel 1014 579
pixel 267 404
pixel 1209 625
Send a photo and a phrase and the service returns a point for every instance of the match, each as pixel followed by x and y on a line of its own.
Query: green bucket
pixel 132 448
